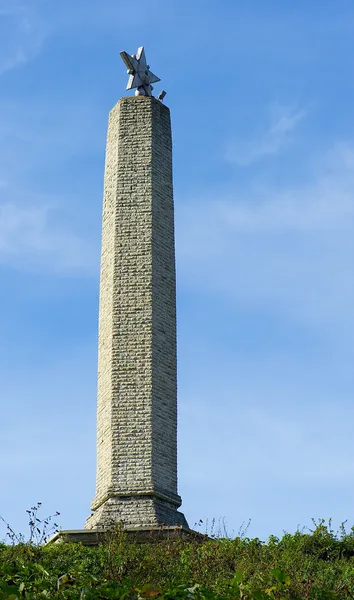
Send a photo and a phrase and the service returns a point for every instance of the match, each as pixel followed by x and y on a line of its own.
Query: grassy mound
pixel 315 565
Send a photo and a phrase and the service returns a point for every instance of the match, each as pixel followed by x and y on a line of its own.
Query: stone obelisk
pixel 137 385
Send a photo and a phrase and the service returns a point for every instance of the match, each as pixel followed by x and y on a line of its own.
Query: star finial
pixel 139 71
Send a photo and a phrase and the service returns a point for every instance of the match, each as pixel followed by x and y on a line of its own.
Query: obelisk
pixel 137 367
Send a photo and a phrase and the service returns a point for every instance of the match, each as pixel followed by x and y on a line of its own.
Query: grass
pixel 317 564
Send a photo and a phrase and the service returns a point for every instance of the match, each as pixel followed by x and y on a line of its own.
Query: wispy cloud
pixel 272 140
pixel 42 135
pixel 22 34
pixel 244 445
pixel 289 249
pixel 31 238
pixel 304 457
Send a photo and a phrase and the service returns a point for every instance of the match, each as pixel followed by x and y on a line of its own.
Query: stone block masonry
pixel 137 365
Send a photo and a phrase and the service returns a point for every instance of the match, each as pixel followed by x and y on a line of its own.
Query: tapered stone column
pixel 137 389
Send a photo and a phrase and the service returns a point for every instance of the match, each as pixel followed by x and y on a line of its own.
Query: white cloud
pixel 238 441
pixel 298 445
pixel 30 237
pixel 289 250
pixel 21 35
pixel 271 141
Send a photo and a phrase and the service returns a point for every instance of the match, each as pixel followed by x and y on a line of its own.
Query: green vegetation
pixel 318 565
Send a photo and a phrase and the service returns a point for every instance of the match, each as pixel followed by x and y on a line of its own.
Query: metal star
pixel 140 74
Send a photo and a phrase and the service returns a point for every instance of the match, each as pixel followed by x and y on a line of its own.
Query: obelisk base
pixel 94 537
pixel 138 512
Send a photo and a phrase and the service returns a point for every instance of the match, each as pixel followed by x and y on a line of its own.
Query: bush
pixel 313 565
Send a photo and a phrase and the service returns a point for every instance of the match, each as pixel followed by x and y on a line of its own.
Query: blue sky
pixel 261 95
